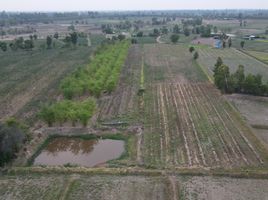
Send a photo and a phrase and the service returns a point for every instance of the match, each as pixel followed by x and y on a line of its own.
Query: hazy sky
pixel 80 5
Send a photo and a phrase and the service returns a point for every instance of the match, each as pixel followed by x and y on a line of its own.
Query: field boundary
pixel 258 173
pixel 251 56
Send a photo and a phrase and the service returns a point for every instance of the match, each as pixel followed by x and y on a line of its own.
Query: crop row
pixel 192 125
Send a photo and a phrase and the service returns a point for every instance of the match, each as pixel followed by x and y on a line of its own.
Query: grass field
pixel 29 79
pixel 263 56
pixel 232 58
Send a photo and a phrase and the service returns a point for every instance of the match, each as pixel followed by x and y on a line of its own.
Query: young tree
pixel 28 44
pixel 164 30
pixel 176 29
pixel 242 44
pixel 121 37
pixel 186 32
pixel 74 37
pixel 3 46
pixel 140 34
pixel 196 55
pixel 56 35
pixel 239 78
pixel 11 139
pixel 222 77
pixel 191 49
pixel 229 42
pixel 49 42
pixel 223 44
pixel 174 38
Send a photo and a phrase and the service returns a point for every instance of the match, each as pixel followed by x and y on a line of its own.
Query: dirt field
pixel 122 103
pixel 188 122
pixel 254 109
pixel 54 187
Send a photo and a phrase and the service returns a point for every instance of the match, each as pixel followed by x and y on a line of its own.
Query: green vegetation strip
pixel 100 75
pixel 68 110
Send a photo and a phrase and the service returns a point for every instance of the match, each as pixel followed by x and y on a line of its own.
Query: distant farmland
pixel 232 58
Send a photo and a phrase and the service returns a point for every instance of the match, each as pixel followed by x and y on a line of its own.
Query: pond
pixel 81 152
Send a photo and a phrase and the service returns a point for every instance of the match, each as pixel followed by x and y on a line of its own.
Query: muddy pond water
pixel 89 153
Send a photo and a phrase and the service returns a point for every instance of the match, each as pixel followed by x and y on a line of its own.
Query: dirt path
pixel 139 146
pixel 159 41
pixel 174 187
pixel 68 186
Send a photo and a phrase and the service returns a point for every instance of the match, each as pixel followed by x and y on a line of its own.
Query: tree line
pixel 238 82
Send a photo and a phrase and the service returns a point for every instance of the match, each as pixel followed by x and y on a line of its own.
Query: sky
pixel 106 5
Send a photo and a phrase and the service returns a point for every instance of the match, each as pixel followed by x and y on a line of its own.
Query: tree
pixel 239 78
pixel 35 36
pixel 156 32
pixel 19 43
pixel 176 29
pixel 140 34
pixel 223 44
pixel 164 30
pixel 134 41
pixel 49 42
pixel 56 35
pixel 11 139
pixel 174 38
pixel 186 32
pixel 47 114
pixel 28 44
pixel 121 37
pixel 215 29
pixel 196 55
pixel 74 37
pixel 191 49
pixel 242 44
pixel 229 42
pixel 3 46
pixel 222 77
pixel 218 64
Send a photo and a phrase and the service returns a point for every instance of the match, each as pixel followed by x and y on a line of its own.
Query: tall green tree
pixel 49 42
pixel 196 55
pixel 242 44
pixel 74 37
pixel 174 38
pixel 222 77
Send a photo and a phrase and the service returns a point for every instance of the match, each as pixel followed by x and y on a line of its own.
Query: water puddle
pixel 81 152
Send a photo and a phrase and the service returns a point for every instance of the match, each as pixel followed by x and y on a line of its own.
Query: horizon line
pixel 137 10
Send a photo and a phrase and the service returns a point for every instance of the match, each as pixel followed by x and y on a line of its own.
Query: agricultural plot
pixel 27 76
pixel 123 101
pixel 115 187
pixel 187 122
pixel 31 187
pixel 263 56
pixel 120 188
pixel 232 58
pixel 211 188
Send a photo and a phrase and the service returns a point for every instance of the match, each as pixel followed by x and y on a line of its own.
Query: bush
pixel 11 139
pixel 68 110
